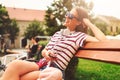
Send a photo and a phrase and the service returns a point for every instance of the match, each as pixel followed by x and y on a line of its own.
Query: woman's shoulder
pixel 57 33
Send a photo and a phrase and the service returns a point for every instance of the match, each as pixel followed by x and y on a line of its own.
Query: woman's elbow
pixel 103 39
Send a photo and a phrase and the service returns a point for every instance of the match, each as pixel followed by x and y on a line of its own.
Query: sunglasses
pixel 70 16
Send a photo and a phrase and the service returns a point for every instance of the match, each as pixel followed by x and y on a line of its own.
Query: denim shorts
pixel 55 66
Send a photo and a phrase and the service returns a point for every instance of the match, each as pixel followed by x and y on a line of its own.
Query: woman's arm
pixel 45 53
pixel 99 35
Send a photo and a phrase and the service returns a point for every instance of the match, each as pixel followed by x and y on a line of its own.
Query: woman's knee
pixel 12 67
pixel 22 67
pixel 31 75
pixel 15 64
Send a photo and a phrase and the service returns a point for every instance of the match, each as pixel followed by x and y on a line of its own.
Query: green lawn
pixel 92 70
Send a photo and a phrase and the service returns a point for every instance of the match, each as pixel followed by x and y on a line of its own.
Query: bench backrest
pixel 106 51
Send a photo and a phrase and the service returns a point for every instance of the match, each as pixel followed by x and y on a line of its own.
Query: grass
pixel 93 70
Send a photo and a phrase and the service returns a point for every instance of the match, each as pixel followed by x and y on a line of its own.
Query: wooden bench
pixel 105 51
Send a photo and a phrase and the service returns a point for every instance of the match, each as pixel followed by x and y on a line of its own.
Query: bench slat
pixel 110 44
pixel 104 56
pixel 106 51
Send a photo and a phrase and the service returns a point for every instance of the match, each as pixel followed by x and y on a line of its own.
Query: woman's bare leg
pixel 18 68
pixel 46 74
pixel 31 76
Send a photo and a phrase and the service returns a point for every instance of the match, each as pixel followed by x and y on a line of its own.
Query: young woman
pixel 63 45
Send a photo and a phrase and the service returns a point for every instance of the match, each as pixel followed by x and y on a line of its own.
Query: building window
pixel 24 42
pixel 116 28
pixel 111 28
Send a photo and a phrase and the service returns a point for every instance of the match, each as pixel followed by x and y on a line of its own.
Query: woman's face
pixel 71 20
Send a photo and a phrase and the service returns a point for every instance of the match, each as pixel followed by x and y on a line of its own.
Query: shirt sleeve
pixel 81 39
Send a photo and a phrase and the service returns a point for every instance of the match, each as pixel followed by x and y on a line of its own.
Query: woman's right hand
pixel 50 55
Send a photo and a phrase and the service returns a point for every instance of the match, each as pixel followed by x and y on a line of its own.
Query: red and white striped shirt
pixel 65 46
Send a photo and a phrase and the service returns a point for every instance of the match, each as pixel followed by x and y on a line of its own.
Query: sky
pixel 107 7
pixel 101 7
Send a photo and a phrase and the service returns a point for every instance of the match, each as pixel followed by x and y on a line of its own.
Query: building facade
pixel 114 25
pixel 24 17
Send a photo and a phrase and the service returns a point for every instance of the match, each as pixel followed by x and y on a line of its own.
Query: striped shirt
pixel 65 46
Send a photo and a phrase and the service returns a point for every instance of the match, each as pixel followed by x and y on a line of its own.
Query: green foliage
pixel 34 29
pixel 93 70
pixel 4 19
pixel 8 26
pixel 43 42
pixel 50 21
pixel 54 17
pixel 13 30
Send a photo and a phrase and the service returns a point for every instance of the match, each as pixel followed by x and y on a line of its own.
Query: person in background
pixel 7 44
pixel 63 45
pixel 33 48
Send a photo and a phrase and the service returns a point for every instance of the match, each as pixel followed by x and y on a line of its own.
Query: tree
pixel 34 29
pixel 54 17
pixel 8 26
pixel 13 30
pixel 4 19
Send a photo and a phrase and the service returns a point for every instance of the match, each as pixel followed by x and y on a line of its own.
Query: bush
pixel 43 42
